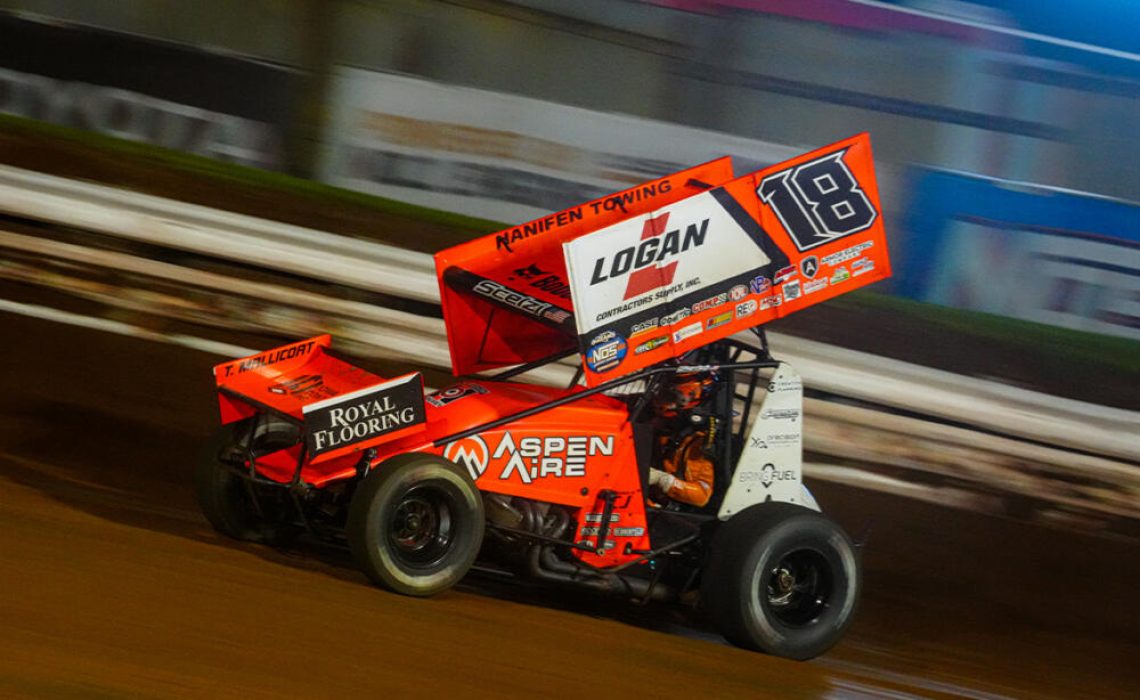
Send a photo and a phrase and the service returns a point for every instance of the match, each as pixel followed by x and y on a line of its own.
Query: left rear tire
pixel 223 496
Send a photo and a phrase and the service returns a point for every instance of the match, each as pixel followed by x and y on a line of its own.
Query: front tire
pixel 415 524
pixel 782 579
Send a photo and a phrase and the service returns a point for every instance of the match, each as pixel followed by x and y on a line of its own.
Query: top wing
pixel 660 284
pixel 506 296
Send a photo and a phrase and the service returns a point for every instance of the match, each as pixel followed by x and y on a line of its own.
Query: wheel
pixel 415 524
pixel 223 496
pixel 781 579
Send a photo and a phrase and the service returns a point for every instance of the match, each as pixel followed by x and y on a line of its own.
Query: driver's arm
pixel 688 475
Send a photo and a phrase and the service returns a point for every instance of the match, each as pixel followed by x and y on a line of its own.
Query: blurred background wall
pixel 1004 131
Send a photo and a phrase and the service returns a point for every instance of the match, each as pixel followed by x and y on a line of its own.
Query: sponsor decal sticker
pixel 606 351
pixel 809 266
pixel 687 332
pixel 738 292
pixel 792 290
pixel 614 531
pixel 471 453
pixel 746 308
pixel 597 517
pixel 675 317
pixel 651 344
pixel 307 387
pixel 841 275
pixel 452 394
pixel 517 300
pixel 847 253
pixel 815 285
pixel 550 456
pixel 760 285
pixel 710 303
pixel 718 320
pixel 784 273
pixel 862 265
pixel 781 414
pixel 652 262
pixel 643 327
pixel 363 415
pixel 270 358
pixel 771 302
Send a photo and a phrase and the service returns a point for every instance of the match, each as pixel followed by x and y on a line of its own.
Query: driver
pixel 687 472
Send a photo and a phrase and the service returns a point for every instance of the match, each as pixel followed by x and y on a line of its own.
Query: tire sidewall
pixel 801 532
pixel 374 505
pixel 745 551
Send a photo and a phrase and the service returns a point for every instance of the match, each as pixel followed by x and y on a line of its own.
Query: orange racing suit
pixel 691 470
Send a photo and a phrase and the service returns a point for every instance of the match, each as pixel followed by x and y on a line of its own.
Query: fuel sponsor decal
pixel 363 415
pixel 606 351
pixel 529 458
pixel 651 344
pixel 718 320
pixel 452 394
pixel 746 308
pixel 791 290
pixel 768 475
pixel 686 331
pixel 809 266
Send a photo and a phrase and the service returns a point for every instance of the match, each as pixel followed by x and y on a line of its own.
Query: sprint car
pixel 668 465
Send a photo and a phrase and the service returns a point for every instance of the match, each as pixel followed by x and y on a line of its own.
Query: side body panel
pixel 770 467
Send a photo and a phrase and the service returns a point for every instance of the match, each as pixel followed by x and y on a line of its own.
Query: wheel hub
pixel 798 588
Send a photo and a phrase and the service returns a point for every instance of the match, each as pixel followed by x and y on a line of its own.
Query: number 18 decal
pixel 818 201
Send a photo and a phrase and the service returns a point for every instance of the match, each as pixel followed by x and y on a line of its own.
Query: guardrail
pixel 891 444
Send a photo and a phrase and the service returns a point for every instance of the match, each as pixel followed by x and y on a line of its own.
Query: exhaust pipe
pixel 546 566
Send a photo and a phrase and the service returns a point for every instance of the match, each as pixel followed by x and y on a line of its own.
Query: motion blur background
pixel 211 178
pixel 1005 131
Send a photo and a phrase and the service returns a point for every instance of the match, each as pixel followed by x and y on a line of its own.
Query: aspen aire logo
pixel 363 415
pixel 651 263
pixel 529 458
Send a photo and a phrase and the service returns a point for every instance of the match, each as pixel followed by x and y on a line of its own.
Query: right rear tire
pixel 782 579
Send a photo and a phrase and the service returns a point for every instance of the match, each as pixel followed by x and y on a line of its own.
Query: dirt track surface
pixel 112 584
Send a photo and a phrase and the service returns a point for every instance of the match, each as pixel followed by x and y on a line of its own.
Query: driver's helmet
pixel 682 392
